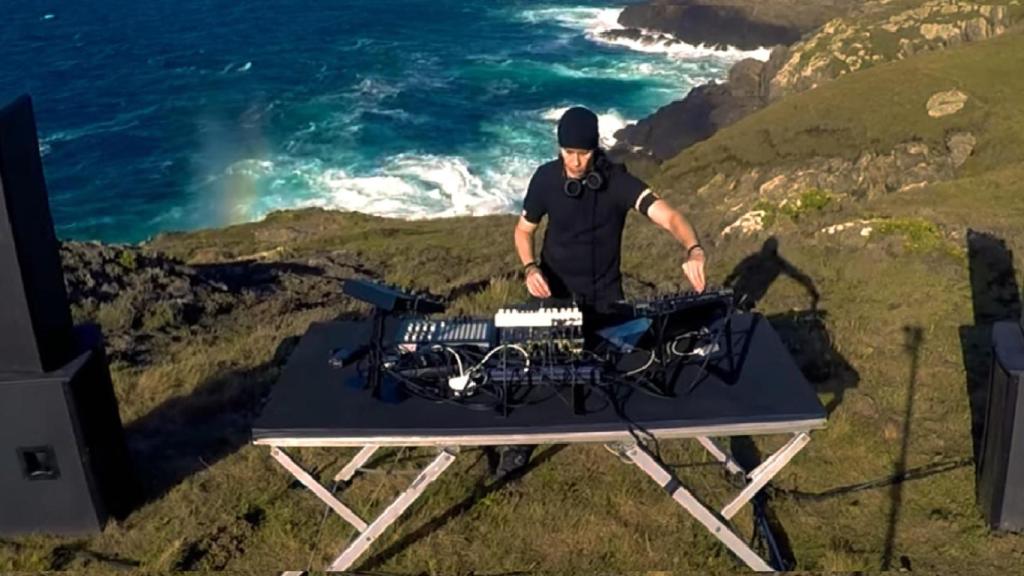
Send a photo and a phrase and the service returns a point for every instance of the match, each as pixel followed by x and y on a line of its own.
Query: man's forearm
pixel 664 215
pixel 524 246
pixel 682 231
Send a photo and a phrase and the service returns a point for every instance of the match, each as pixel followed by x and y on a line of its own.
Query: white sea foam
pixel 655 42
pixel 413 187
pixel 251 167
pixel 671 72
pixel 579 18
pixel 376 89
pixel 417 185
pixel 231 67
pixel 658 42
pixel 594 22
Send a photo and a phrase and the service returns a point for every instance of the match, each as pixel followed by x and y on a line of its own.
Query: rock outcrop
pixel 704 111
pixel 946 103
pixel 140 295
pixel 782 188
pixel 845 45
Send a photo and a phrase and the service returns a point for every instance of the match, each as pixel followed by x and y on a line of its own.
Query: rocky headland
pixel 744 24
pixel 834 39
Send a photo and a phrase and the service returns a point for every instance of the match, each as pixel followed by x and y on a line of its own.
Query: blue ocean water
pixel 157 116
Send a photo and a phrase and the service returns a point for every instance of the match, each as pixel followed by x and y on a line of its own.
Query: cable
pixel 714 344
pixel 458 359
pixel 499 348
pixel 433 396
pixel 650 361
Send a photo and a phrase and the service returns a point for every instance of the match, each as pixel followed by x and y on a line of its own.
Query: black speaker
pixel 63 461
pixel 1000 471
pixel 35 320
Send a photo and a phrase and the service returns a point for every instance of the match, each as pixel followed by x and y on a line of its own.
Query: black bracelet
pixel 690 250
pixel 526 268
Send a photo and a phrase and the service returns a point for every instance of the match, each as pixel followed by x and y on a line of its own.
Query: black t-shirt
pixel 583 243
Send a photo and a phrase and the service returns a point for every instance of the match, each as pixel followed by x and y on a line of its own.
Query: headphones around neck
pixel 593 180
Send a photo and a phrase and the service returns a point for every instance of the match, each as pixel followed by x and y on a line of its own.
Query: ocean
pixel 160 116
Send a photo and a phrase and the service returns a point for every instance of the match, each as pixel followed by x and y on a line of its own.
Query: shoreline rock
pixel 705 110
pixel 742 24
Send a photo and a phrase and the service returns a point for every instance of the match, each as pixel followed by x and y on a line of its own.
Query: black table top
pixel 760 391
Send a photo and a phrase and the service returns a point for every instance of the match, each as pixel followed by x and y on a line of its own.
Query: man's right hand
pixel 537 284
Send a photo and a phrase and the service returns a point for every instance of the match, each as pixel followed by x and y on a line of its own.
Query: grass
pixel 918 234
pixel 807 203
pixel 580 511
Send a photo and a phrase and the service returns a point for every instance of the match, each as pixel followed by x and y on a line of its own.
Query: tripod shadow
pixel 913 340
pixel 995 296
pixel 802 331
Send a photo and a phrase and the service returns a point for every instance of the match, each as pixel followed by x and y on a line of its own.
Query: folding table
pixel 753 389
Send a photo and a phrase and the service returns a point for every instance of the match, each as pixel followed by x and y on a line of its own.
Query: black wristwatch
pixel 527 266
pixel 689 251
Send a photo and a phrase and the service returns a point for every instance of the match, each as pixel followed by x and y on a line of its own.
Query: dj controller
pixel 495 363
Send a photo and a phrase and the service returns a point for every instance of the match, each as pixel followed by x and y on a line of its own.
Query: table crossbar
pixel 322 493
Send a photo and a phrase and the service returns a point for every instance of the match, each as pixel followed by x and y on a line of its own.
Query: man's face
pixel 576 161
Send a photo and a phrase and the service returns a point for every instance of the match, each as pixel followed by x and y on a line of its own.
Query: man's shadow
pixel 995 296
pixel 802 331
pixel 754 275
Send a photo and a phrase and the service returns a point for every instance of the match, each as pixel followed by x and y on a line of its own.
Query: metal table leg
pixel 721 455
pixel 322 493
pixel 368 533
pixel 393 511
pixel 760 476
pixel 717 526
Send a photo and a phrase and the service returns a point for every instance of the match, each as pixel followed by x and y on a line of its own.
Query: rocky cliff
pixel 885 33
pixel 874 33
pixel 704 111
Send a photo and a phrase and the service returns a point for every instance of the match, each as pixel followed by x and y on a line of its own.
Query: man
pixel 580 257
pixel 586 198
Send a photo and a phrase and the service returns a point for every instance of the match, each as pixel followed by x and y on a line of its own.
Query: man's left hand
pixel 693 269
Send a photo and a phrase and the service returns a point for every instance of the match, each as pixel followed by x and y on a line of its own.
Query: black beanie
pixel 578 129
